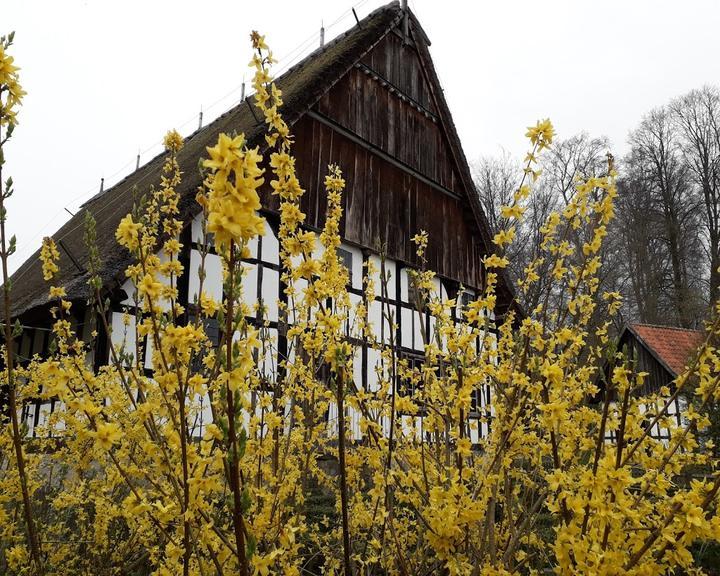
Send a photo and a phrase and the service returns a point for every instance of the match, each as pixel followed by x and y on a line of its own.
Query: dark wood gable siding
pixel 380 125
pixel 399 65
pixel 658 375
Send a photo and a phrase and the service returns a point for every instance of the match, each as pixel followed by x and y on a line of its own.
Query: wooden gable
pixel 382 124
pixel 369 101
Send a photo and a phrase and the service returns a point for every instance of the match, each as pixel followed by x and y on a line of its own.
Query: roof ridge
pixel 301 84
pixel 337 38
pixel 286 73
pixel 665 327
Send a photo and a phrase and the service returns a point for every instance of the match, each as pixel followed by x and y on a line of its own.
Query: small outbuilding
pixel 663 352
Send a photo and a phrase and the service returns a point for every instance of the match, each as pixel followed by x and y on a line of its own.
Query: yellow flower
pixel 464 447
pixel 553 373
pixel 127 233
pixel 504 237
pixel 57 292
pixel 107 434
pixel 233 201
pixel 258 41
pixel 338 355
pixel 10 89
pixel 495 261
pixel 208 305
pixel 49 256
pixel 150 288
pixel 541 134
pixel 421 241
pixel 515 211
pixel 173 141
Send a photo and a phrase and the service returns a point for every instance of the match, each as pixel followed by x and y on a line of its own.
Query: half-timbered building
pixel 369 101
pixel 663 353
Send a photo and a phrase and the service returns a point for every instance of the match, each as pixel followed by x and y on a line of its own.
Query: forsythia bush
pixel 129 488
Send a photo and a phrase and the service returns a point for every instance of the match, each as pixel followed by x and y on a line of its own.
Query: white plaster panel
pixel 354 418
pixel 404 284
pixel 353 318
pixel 406 327
pixel 437 290
pixel 252 248
pixel 203 417
pixel 196 231
pixel 149 347
pixel 213 282
pixel 389 271
pixel 58 426
pixel 270 246
pixel 374 360
pixel 418 323
pixel 123 336
pixel 129 288
pixel 270 291
pixel 249 286
pixel 357 266
pixel 375 319
pixel 43 415
pixel 357 369
pixel 30 418
pixel 319 249
pixel 268 354
pixel 474 431
pixel 432 332
pixel 332 424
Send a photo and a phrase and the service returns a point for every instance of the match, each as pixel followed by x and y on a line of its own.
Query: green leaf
pixel 242 443
pixel 245 501
pixel 222 424
pixel 250 546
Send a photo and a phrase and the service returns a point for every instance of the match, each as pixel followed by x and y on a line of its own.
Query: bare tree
pixel 662 251
pixel 497 179
pixel 656 162
pixel 697 115
pixel 642 260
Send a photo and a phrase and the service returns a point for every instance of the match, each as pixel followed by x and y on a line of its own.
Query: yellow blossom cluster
pixel 233 201
pixel 514 445
pixel 49 256
pixel 11 93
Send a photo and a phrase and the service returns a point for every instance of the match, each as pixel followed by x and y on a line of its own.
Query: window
pixel 345 257
pixel 410 382
pixel 480 399
pixel 211 327
pixel 464 299
pixel 414 296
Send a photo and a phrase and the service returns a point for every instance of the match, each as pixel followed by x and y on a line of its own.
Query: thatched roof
pixel 302 86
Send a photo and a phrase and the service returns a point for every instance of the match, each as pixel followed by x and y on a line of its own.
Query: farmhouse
pixel 662 352
pixel 369 101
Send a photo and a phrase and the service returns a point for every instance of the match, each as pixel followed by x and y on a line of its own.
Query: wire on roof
pixel 286 61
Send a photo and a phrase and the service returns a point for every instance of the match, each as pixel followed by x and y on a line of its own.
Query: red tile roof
pixel 674 346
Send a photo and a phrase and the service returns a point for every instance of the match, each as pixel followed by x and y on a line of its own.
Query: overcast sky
pixel 106 78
